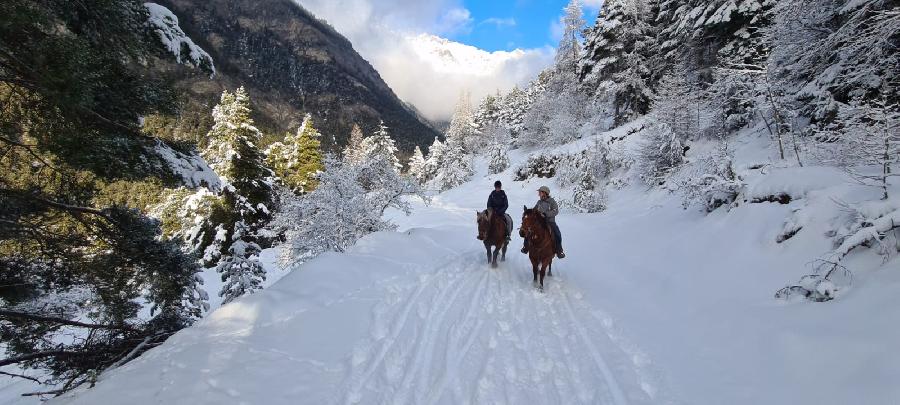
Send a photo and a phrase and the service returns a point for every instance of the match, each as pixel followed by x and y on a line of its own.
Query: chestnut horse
pixel 492 230
pixel 540 244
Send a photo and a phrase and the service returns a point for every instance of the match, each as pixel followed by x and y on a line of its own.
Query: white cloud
pixel 500 22
pixel 455 21
pixel 592 5
pixel 425 70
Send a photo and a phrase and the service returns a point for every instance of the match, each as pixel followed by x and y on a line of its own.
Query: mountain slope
pixel 291 63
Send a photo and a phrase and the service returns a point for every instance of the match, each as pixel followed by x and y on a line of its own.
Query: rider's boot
pixel 525 247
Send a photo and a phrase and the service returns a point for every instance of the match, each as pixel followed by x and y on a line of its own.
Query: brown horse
pixel 492 230
pixel 540 244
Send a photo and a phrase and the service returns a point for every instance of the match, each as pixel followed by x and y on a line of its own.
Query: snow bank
pixel 176 41
pixel 192 168
pixel 795 182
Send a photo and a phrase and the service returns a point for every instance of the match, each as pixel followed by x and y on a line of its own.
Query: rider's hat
pixel 545 189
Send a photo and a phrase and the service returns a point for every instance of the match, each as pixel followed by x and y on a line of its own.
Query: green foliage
pixel 298 159
pixel 73 84
pixel 233 154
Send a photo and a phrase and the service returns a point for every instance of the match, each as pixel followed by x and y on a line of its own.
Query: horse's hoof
pixel 494 265
pixel 549 274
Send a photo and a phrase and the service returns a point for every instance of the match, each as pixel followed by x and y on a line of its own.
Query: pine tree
pixel 434 160
pixel 241 271
pixel 233 155
pixel 568 52
pixel 416 165
pixel 618 51
pixel 381 145
pixel 353 152
pixel 298 159
pixel 462 132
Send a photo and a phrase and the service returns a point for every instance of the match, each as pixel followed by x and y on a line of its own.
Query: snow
pixel 194 171
pixel 654 304
pixel 170 33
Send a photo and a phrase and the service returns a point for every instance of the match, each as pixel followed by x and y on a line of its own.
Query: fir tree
pixel 353 152
pixel 416 165
pixel 241 271
pixel 381 145
pixel 233 155
pixel 462 132
pixel 298 159
pixel 618 50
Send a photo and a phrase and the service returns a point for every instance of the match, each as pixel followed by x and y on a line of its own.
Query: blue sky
pixel 509 24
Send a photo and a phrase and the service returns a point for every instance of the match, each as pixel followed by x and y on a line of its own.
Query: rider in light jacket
pixel 548 207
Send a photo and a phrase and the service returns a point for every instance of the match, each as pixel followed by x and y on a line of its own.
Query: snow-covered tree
pixel 677 105
pixel 867 144
pixel 434 160
pixel 709 181
pixel 241 271
pixel 233 155
pixel 342 209
pixel 661 152
pixel 455 168
pixel 353 152
pixel 380 146
pixel 617 63
pixel 499 159
pixel 835 52
pixel 462 131
pixel 296 160
pixel 557 114
pixel 568 52
pixel 416 165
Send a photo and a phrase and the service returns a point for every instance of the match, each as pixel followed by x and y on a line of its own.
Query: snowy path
pixel 471 334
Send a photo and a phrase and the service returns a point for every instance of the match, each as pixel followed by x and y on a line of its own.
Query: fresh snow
pixel 654 304
pixel 173 37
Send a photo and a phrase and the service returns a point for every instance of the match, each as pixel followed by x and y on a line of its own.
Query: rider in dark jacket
pixel 499 203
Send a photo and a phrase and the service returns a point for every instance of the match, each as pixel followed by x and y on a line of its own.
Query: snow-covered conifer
pixel 381 145
pixel 298 158
pixel 661 152
pixel 353 152
pixel 241 271
pixel 416 165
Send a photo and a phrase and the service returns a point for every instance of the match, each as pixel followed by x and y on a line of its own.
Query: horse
pixel 541 247
pixel 492 231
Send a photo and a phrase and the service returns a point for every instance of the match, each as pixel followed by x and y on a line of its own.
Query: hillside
pixel 291 63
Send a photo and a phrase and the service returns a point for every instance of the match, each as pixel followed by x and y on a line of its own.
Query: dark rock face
pixel 291 63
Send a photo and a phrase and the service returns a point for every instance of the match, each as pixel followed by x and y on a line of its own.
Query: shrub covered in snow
pixel 661 152
pixel 709 181
pixel 499 161
pixel 347 205
pixel 541 165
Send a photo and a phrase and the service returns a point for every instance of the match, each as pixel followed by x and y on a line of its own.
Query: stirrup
pixel 524 250
pixel 560 255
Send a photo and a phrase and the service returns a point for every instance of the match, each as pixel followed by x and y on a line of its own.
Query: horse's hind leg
pixel 494 261
pixel 503 256
pixel 550 269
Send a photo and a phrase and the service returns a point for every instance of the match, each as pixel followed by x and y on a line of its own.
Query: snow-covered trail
pixel 410 317
pixel 471 334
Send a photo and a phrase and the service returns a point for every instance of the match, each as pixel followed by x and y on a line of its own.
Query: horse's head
pixel 530 223
pixel 483 224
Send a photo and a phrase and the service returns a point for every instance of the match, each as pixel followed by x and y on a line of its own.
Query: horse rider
pixel 498 202
pixel 548 208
